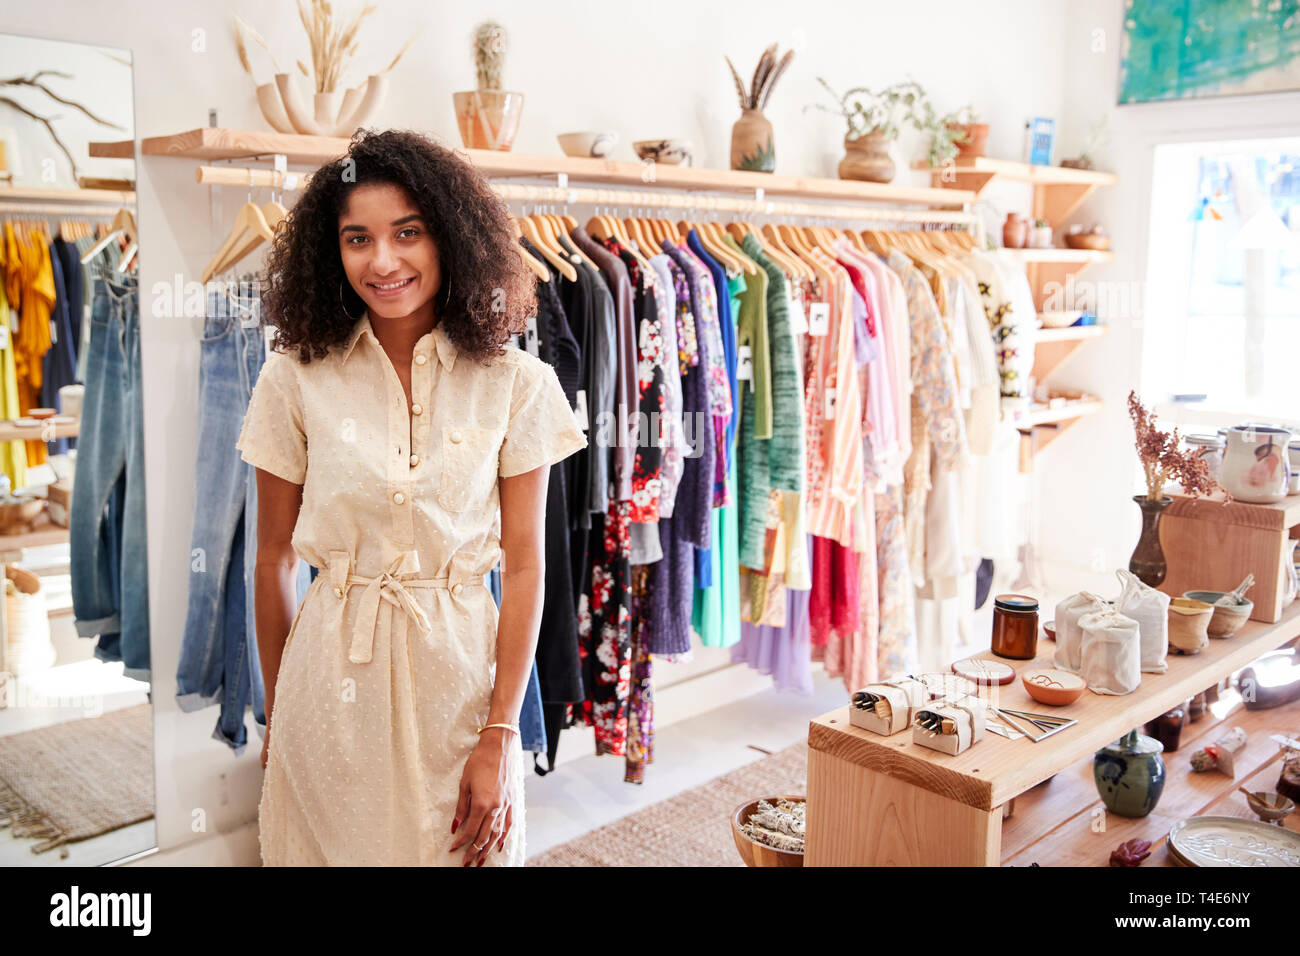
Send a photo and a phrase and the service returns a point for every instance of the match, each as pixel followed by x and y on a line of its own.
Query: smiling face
pixel 388 252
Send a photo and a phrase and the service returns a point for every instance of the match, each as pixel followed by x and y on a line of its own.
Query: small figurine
pixel 1130 853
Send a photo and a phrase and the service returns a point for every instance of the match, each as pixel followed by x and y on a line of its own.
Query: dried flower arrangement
pixel 1162 459
pixel 766 74
pixel 780 825
pixel 489 54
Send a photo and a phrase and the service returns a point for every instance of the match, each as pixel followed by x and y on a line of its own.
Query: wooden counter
pixel 875 801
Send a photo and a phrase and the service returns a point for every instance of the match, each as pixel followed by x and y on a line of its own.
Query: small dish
pixel 760 854
pixel 670 152
pixel 1051 686
pixel 1049 629
pixel 1269 806
pixel 589 144
pixel 978 670
pixel 39 413
pixel 1226 620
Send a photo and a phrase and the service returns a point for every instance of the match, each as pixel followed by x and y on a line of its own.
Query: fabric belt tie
pixel 390 588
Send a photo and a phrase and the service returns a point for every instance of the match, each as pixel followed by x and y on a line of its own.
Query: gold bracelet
pixel 510 727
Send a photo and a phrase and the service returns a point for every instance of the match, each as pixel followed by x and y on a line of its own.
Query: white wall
pixel 647 71
pixel 1088 520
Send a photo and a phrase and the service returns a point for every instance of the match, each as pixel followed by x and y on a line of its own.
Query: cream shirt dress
pixel 389 664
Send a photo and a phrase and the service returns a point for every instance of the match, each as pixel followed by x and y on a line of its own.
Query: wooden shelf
pixel 209 143
pixel 110 197
pixel 1055 416
pixel 11 432
pixel 946 810
pixel 1058 190
pixel 118 149
pixel 1070 333
pixel 1052 256
pixel 43 531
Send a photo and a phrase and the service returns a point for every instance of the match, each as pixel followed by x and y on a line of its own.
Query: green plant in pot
pixel 1162 461
pixel 488 117
pixel 874 118
pixel 752 144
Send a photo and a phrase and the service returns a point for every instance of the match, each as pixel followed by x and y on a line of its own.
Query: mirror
pixel 76 719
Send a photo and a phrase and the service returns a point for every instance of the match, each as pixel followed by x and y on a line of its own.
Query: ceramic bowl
pixel 1049 629
pixel 1226 621
pixel 39 413
pixel 589 144
pixel 760 854
pixel 1051 686
pixel 1268 806
pixel 670 152
pixel 1088 240
pixel 1189 623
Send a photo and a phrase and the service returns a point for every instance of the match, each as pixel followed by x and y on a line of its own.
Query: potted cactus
pixel 488 117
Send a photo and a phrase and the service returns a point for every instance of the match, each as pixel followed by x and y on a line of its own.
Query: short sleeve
pixel 274 436
pixel 542 428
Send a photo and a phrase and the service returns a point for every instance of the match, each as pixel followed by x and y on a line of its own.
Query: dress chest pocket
pixel 469 466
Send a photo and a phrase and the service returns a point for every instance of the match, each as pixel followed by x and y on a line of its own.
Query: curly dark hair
pixel 305 288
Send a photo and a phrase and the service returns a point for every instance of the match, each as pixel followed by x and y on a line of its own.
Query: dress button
pixel 398 497
pixel 421 358
pixel 415 460
pixel 338 591
pixel 455 436
pixel 457 588
pixel 417 408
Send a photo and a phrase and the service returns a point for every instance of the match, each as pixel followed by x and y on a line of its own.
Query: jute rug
pixel 78 779
pixel 690 829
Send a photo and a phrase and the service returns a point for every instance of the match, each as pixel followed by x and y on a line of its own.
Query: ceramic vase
pixel 1130 774
pixel 1015 231
pixel 752 145
pixel 1148 560
pixel 488 119
pixel 973 143
pixel 867 159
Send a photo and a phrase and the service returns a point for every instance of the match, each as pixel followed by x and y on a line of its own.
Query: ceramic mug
pixel 1255 466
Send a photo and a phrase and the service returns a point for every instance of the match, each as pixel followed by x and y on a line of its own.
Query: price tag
pixel 819 318
pixel 830 403
pixel 530 335
pixel 580 413
pixel 798 318
pixel 745 366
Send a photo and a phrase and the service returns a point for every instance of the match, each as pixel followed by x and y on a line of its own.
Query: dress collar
pixel 445 347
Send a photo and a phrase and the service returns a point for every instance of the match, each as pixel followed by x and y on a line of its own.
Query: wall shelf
pixel 211 143
pixel 1058 190
pixel 33 194
pixel 1041 426
pixel 1070 333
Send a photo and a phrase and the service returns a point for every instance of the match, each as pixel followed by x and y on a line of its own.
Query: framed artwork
pixel 1202 48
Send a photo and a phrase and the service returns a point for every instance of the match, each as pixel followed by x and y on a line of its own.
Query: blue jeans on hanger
pixel 109 556
pixel 532 732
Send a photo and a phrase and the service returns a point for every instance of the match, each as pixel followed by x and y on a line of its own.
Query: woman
pixel 403 454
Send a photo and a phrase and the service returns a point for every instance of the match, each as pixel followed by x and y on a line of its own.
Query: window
pixel 1223 296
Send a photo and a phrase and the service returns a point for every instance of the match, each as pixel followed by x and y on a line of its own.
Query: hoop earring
pixel 447 299
pixel 344 307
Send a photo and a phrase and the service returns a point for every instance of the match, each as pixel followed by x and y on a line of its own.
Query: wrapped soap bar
pixel 887 707
pixel 1069 636
pixel 950 726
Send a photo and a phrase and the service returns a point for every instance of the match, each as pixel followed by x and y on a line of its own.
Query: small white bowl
pixel 588 144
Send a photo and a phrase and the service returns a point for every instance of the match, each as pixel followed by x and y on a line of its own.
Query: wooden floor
pixel 1063 822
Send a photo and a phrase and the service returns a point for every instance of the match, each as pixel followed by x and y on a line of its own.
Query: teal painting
pixel 1187 49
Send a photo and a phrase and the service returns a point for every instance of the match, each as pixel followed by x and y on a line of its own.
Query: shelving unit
pixel 211 143
pixel 948 810
pixel 1058 190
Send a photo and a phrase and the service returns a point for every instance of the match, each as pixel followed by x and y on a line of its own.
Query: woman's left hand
pixel 483 812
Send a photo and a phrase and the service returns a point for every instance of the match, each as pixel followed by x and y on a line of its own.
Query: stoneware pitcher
pixel 1255 466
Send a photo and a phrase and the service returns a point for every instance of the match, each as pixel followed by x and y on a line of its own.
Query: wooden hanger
pixel 562 265
pixel 249 219
pixel 538 269
pixel 774 239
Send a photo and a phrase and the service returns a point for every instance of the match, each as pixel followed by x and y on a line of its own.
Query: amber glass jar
pixel 1015 626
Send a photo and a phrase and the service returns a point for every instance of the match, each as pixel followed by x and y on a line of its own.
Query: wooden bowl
pixel 760 854
pixel 1087 240
pixel 39 413
pixel 1225 621
pixel 1268 806
pixel 1049 629
pixel 1051 686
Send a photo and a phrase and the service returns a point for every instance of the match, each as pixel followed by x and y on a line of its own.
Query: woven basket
pixel 29 648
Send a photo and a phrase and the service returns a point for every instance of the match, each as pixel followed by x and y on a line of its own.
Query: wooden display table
pixel 882 801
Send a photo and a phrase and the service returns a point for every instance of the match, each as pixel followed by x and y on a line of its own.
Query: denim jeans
pixel 532 732
pixel 107 539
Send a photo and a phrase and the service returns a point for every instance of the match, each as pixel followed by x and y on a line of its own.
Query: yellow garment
pixel 33 339
pixel 13 454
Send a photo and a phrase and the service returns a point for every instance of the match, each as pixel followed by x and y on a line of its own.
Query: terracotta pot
pixel 867 158
pixel 753 147
pixel 977 136
pixel 1015 231
pixel 1189 623
pixel 1148 561
pixel 488 119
